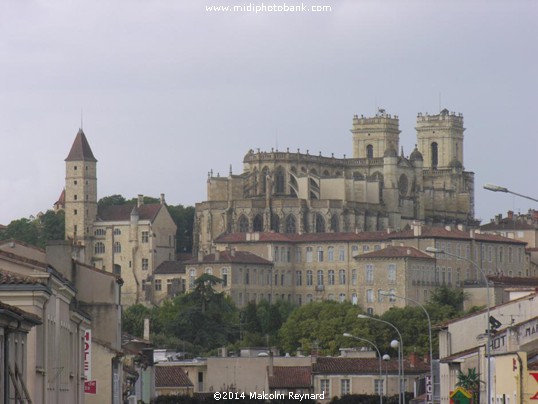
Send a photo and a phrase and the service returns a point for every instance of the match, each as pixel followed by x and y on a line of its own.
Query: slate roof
pixel 119 213
pixel 171 376
pixel 170 267
pixel 237 257
pixel 291 377
pixel 396 252
pixel 81 150
pixel 325 365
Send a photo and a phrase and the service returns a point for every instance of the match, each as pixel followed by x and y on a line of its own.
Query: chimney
pixel 498 218
pixel 140 200
pixel 162 199
pixel 413 359
pixel 146 329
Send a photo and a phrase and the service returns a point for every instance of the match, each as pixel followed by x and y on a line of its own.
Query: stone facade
pixel 376 189
pixel 355 266
pixel 127 240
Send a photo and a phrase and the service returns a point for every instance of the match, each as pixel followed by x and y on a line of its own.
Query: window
pixel 377 247
pixel 290 224
pixel 325 387
pixel 279 181
pixel 145 237
pixel 145 264
pixel 320 278
pixel 342 277
pixel 370 311
pixel 342 254
pixel 335 225
pixel 247 276
pixel 117 232
pixel 257 224
pixel 435 158
pixel 75 211
pixel 275 223
pixel 243 224
pixel 370 296
pixel 344 387
pixel 99 232
pixel 320 254
pixel 308 254
pixel 75 197
pixel 192 277
pixel 379 296
pixel 365 248
pixel 331 277
pixel 369 151
pixel 354 277
pixel 224 272
pixel 378 386
pixel 99 248
pixel 369 274
pixel 276 256
pixel 117 247
pixel 298 255
pixel 320 224
pixel 354 299
pixel 309 280
pixel 298 278
pixel 354 250
pixel 391 274
pixel 158 285
pixel 330 254
pixel 117 269
pixel 392 299
pixel 342 297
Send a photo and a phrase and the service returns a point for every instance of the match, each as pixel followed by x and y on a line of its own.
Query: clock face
pixel 403 185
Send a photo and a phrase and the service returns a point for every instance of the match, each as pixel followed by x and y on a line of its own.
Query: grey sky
pixel 170 91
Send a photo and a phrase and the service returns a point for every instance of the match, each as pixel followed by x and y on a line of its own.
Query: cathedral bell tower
pixel 372 136
pixel 80 191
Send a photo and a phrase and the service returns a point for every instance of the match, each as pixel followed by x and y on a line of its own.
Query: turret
pixel 372 136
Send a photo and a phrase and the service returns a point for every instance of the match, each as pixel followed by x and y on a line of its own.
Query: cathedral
pixel 376 189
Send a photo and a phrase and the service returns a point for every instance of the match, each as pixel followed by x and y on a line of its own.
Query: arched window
pixel 279 180
pixel 435 155
pixel 320 224
pixel 117 247
pixel 275 223
pixel 265 174
pixel 290 224
pixel 243 224
pixel 99 248
pixel 257 224
pixel 100 232
pixel 370 151
pixel 335 225
pixel 117 232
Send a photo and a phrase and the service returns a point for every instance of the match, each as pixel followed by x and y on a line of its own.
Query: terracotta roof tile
pixel 119 213
pixel 171 376
pixel 396 252
pixel 326 365
pixel 81 150
pixel 10 278
pixel 291 377
pixel 307 237
pixel 238 257
pixel 441 232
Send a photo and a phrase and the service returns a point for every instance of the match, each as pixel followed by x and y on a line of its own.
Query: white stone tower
pixel 440 139
pixel 372 136
pixel 80 191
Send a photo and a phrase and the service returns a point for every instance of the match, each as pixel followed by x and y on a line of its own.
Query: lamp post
pixel 498 188
pixel 386 358
pixel 400 352
pixel 390 294
pixel 346 334
pixel 488 327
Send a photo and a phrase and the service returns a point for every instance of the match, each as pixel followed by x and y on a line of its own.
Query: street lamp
pixel 391 294
pixel 497 188
pixel 386 359
pixel 488 327
pixel 400 352
pixel 346 334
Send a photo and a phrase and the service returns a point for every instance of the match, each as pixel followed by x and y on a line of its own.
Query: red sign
pixel 90 387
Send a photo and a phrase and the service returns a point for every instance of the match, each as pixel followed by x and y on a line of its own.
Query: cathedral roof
pixel 81 150
pixel 119 213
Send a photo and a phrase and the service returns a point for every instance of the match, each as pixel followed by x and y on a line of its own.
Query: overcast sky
pixel 170 91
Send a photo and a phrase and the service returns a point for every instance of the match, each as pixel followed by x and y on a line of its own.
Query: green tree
pixel 23 230
pixel 446 296
pixel 51 227
pixel 132 319
pixel 111 200
pixel 184 219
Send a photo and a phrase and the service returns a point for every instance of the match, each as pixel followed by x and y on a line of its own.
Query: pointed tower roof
pixel 81 150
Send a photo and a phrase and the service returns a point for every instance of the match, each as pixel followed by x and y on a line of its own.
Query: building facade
pixel 375 189
pixel 127 240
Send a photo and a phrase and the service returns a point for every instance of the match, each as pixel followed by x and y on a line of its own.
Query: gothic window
pixel 265 174
pixel 334 223
pixel 290 224
pixel 279 180
pixel 275 223
pixel 99 232
pixel 403 185
pixel 99 248
pixel 435 156
pixel 370 151
pixel 258 223
pixel 313 171
pixel 243 224
pixel 117 232
pixel 320 224
pixel 117 247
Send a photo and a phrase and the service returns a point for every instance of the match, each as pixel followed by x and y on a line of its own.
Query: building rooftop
pixel 235 257
pixel 171 376
pixel 291 377
pixel 80 150
pixel 170 267
pixel 122 213
pixel 396 252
